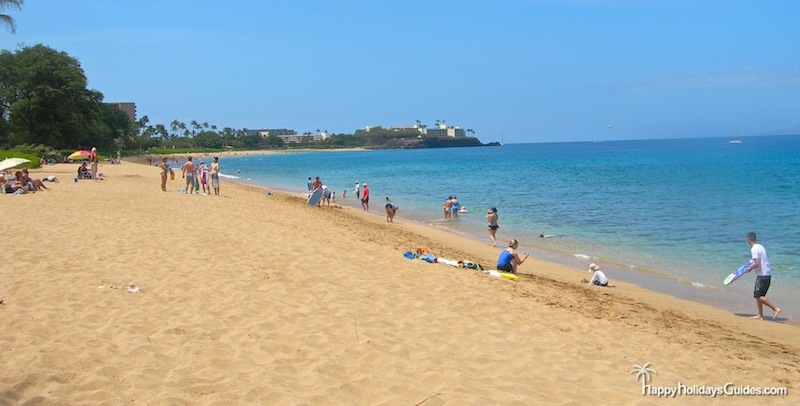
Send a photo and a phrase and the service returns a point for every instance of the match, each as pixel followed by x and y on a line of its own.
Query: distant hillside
pixel 427 142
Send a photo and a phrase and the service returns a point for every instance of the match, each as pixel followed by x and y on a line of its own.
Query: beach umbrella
pixel 79 155
pixel 12 163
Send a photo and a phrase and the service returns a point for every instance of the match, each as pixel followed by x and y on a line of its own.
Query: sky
pixel 517 71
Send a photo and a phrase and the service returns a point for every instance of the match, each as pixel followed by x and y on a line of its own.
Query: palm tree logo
pixel 643 372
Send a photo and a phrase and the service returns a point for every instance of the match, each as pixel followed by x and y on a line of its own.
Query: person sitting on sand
pixel 509 259
pixel 16 185
pixel 599 278
pixel 35 184
pixel 391 210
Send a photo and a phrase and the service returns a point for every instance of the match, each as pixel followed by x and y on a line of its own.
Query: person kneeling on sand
pixel 509 259
pixel 599 278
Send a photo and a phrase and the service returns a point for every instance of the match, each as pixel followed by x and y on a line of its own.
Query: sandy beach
pixel 256 299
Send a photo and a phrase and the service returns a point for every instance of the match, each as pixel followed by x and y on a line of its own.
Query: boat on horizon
pixel 735 139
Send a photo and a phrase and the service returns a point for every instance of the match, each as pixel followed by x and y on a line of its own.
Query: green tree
pixel 6 19
pixel 44 100
pixel 208 139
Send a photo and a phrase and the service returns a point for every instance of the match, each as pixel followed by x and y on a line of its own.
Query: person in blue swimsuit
pixel 509 259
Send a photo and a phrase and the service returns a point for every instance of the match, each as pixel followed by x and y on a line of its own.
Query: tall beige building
pixel 128 108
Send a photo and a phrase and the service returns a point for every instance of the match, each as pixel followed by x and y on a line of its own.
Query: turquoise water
pixel 677 209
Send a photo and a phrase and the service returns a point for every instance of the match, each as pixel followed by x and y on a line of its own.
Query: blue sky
pixel 526 71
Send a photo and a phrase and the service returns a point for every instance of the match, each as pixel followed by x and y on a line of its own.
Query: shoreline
pixel 246 298
pixel 651 280
pixel 142 159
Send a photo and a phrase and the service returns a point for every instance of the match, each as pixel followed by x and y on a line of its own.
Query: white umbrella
pixel 9 163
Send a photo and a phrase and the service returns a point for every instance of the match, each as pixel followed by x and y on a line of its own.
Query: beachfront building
pixel 442 130
pixel 128 108
pixel 291 136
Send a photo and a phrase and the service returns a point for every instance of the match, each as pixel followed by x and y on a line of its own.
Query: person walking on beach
pixel 93 161
pixel 391 210
pixel 491 218
pixel 215 175
pixel 365 197
pixel 164 171
pixel 763 276
pixel 187 172
pixel 509 259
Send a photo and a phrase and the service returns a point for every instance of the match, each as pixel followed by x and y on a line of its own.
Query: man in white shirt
pixel 761 262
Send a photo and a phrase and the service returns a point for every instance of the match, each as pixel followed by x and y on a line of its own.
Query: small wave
pixel 698 285
pixel 222 175
pixel 582 256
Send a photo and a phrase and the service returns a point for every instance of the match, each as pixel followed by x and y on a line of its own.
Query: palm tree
pixel 643 371
pixel 6 19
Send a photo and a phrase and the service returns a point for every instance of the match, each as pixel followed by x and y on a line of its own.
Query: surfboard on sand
pixel 314 198
pixel 737 274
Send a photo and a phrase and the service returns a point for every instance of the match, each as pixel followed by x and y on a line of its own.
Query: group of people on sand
pixel 196 176
pixel 20 183
pixel 510 259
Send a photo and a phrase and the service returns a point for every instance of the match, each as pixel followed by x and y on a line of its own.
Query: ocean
pixel 669 215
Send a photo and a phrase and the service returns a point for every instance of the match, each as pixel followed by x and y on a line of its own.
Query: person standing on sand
pixel 93 161
pixel 491 218
pixel 391 210
pixel 365 197
pixel 188 173
pixel 204 177
pixel 215 175
pixel 164 171
pixel 763 276
pixel 509 259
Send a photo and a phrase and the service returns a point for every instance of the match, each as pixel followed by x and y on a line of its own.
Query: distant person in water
pixel 491 218
pixel 454 206
pixel 763 276
pixel 391 210
pixel 448 204
pixel 598 278
pixel 509 259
